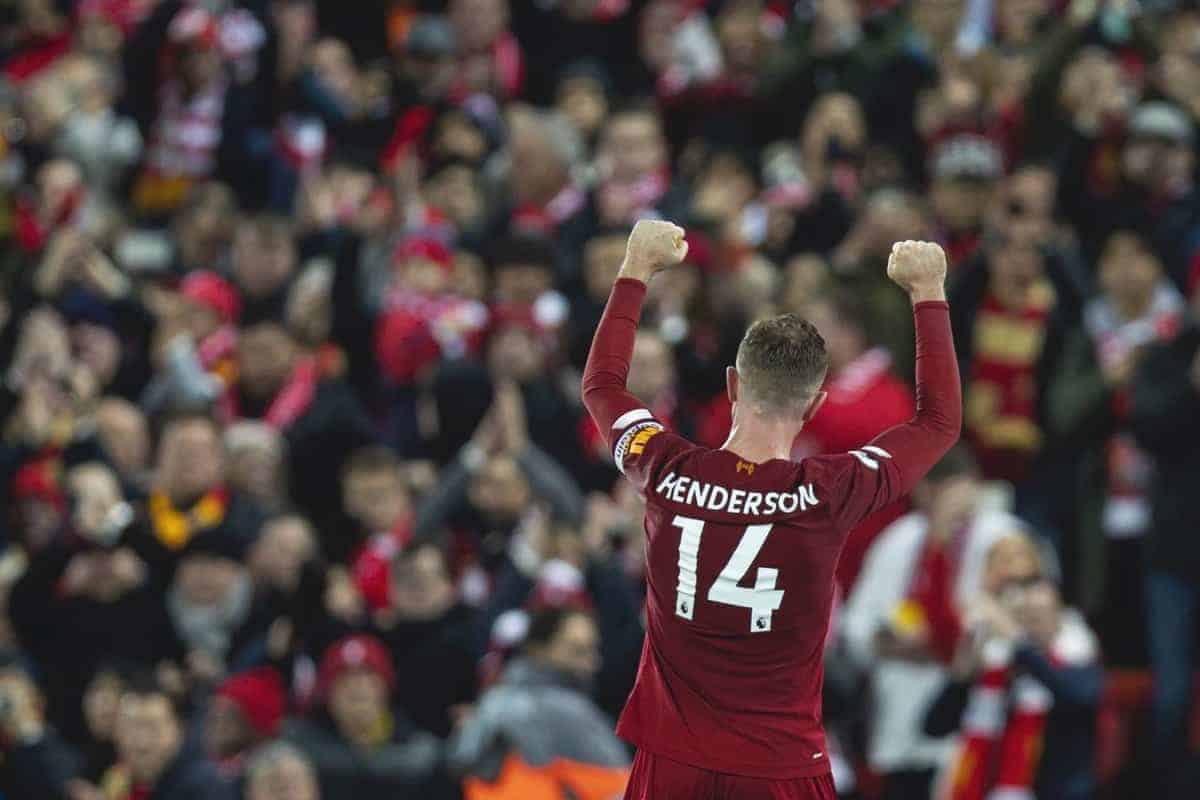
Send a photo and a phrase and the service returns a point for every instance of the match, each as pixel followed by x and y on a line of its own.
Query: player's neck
pixel 757 440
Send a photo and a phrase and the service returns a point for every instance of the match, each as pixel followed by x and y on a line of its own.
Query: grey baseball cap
pixel 1159 120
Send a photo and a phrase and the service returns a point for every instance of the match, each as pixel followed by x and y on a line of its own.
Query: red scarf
pixel 290 403
pixel 1001 398
pixel 1005 720
pixel 930 600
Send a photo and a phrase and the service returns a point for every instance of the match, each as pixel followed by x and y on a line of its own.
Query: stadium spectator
pixel 278 771
pixel 905 617
pixel 358 745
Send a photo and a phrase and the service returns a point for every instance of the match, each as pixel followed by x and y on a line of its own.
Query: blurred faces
pixel 582 101
pixel 100 703
pixel 256 462
pixel 207 580
pixel 652 369
pixel 264 257
pixel 124 435
pixel 835 125
pixel 204 228
pixel 522 283
pixel 538 171
pixel 199 67
pixel 1012 559
pixel 421 586
pixel 515 353
pixel 1037 608
pixel 602 257
pixel 632 146
pixel 278 556
pixel 478 23
pixel 148 735
pixel 741 37
pixel 959 203
pixel 1026 205
pixel 96 493
pixel 333 64
pixel 844 341
pixel 376 498
pixel 289 777
pixel 190 459
pixel 226 730
pixel 455 190
pixel 266 355
pixel 356 700
pixel 1129 273
pixel 574 650
pixel 1015 268
pixel 500 490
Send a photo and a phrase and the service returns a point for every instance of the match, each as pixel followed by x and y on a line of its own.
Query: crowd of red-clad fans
pixel 298 497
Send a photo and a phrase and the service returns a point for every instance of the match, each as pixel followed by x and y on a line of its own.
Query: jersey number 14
pixel 763 599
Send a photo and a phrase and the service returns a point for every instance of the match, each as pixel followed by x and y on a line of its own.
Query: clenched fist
pixel 653 245
pixel 919 268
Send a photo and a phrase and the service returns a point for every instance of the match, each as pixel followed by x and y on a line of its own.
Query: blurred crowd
pixel 299 499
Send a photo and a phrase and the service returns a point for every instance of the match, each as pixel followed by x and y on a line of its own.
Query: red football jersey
pixel 741 559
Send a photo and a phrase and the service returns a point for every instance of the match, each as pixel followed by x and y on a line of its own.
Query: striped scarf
pixel 1005 720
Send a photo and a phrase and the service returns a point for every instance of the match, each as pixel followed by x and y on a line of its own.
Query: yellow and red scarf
pixel 174 527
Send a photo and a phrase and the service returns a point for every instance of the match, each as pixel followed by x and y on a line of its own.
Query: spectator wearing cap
pixel 94 584
pixel 199 345
pixel 424 61
pixel 190 497
pixel 245 712
pixel 965 169
pixel 358 744
pixel 423 320
pixel 154 759
pixel 1152 188
pixel 429 630
pixel 536 726
pixel 1164 413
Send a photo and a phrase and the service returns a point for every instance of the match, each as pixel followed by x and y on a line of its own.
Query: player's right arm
pixel 888 468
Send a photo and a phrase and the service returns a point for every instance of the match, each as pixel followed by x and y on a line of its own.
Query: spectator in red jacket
pixel 864 398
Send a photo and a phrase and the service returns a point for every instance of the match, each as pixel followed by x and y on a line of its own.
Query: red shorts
pixel 658 778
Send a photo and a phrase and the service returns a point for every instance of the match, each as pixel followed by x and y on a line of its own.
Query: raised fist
pixel 918 267
pixel 653 245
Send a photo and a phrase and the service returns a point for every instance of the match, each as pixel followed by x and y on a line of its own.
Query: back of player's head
pixel 781 364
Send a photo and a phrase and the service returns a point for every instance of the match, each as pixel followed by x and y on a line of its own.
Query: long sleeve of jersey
pixel 607 368
pixel 888 468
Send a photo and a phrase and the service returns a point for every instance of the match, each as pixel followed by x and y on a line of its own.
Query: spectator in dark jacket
pixel 1166 422
pixel 359 745
pixel 37 761
pixel 154 762
pixel 321 419
pixel 103 593
pixel 429 630
pixel 1041 659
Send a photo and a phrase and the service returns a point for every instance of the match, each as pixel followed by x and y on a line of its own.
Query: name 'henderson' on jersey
pixel 741 557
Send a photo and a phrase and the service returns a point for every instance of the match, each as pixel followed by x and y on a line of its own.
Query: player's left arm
pixel 622 418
